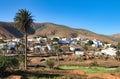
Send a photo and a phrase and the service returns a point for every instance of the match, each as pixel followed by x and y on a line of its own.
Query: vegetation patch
pixel 93 69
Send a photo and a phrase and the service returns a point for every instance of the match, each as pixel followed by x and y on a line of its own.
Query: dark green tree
pixel 118 46
pixel 85 47
pixel 118 55
pixel 7 63
pixel 50 63
pixel 55 40
pixel 90 42
pixel 23 20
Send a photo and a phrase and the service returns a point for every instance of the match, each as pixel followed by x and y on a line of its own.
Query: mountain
pixel 116 37
pixel 9 31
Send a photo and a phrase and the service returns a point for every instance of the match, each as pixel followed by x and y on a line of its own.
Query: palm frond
pixel 23 20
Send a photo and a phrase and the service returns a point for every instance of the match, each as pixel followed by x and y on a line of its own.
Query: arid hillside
pixel 9 30
pixel 116 37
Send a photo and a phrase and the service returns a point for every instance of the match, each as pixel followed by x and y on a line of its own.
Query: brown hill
pixel 8 30
pixel 5 34
pixel 55 30
pixel 115 37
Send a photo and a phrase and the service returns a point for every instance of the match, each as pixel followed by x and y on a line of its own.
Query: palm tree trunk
pixel 58 58
pixel 25 50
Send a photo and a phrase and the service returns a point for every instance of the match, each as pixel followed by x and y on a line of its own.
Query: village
pixel 62 46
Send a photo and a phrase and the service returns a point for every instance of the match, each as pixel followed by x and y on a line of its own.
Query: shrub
pixel 21 59
pixel 118 69
pixel 82 57
pixel 90 42
pixel 94 63
pixel 118 55
pixel 55 40
pixel 2 64
pixel 7 63
pixel 50 63
pixel 13 62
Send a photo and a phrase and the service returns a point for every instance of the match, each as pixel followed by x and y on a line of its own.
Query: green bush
pixel 118 53
pixel 50 63
pixel 3 64
pixel 55 40
pixel 14 62
pixel 94 63
pixel 21 57
pixel 7 63
pixel 90 42
pixel 118 69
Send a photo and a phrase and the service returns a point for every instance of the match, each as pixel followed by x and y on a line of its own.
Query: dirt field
pixel 39 73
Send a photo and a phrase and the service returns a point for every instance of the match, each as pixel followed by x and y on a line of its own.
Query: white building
pixel 109 51
pixel 1 46
pixel 66 40
pixel 79 52
pixel 50 47
pixel 72 48
pixel 42 48
pixel 41 39
pixel 97 43
pixel 16 40
pixel 11 45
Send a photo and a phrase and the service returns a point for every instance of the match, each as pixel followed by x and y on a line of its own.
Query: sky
pixel 99 16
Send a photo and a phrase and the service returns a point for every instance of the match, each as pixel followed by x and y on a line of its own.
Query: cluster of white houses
pixel 12 44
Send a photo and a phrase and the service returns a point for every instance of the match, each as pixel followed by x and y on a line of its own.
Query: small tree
pixel 90 42
pixel 21 59
pixel 85 47
pixel 37 50
pixel 118 55
pixel 118 45
pixel 1 41
pixel 55 40
pixel 50 63
pixel 7 63
pixel 94 63
pixel 5 49
pixel 13 62
pixel 3 64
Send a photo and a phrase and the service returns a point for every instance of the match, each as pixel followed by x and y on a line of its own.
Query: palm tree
pixel 23 20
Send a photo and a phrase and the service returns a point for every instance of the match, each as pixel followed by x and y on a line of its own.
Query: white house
pixel 107 45
pixel 11 45
pixel 16 40
pixel 50 47
pixel 109 51
pixel 42 48
pixel 72 48
pixel 74 40
pixel 97 43
pixel 65 41
pixel 84 40
pixel 1 46
pixel 31 39
pixel 37 46
pixel 79 52
pixel 41 39
pixel 9 51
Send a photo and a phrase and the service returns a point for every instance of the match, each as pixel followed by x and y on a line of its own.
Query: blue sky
pixel 100 16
